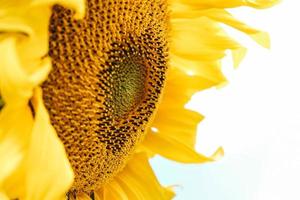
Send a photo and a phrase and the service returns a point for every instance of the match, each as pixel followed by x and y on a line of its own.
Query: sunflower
pixel 91 90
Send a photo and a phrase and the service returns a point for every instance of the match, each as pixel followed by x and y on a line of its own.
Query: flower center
pixel 127 79
pixel 107 77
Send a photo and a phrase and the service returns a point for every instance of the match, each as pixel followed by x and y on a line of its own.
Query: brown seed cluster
pixel 108 73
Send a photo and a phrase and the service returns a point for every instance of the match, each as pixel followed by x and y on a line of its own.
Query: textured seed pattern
pixel 108 74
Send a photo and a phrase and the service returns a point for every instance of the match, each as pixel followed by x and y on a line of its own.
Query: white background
pixel 256 118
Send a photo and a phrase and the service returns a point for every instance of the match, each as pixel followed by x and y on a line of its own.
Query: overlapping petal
pixel 38 175
pixel 16 119
pixel 136 182
pixel 197 47
pixel 28 142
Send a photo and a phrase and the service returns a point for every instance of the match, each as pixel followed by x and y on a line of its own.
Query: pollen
pixel 108 74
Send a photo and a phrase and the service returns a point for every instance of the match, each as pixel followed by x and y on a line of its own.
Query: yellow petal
pixel 29 23
pixel 45 172
pixel 45 148
pixel 3 196
pixel 208 71
pixel 138 174
pixel 111 191
pixel 169 193
pixel 83 196
pixel 15 84
pixel 177 126
pixel 176 150
pixel 14 135
pixel 197 47
pixel 177 133
pixel 38 167
pixel 180 85
pixel 181 128
pixel 77 5
pixel 32 30
pixel 238 55
pixel 229 3
pixel 98 195
pixel 225 17
pixel 200 39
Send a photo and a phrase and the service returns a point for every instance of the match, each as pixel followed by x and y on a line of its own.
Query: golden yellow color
pixel 108 72
pixel 91 90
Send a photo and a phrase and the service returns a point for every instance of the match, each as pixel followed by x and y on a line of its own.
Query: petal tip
pixel 263 39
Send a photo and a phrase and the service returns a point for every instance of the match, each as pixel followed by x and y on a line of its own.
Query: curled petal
pixel 38 177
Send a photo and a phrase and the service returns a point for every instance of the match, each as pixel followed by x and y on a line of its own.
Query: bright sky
pixel 256 118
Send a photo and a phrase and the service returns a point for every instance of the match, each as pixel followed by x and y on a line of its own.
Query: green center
pixel 128 85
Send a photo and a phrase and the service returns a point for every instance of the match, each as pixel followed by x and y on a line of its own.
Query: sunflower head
pixel 108 73
pixel 100 86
